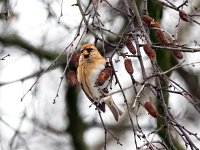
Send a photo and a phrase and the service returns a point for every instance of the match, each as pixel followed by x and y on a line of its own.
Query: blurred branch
pixel 26 46
pixel 34 74
pixel 10 40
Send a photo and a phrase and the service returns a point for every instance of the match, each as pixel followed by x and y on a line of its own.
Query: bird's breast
pixel 88 72
pixel 92 79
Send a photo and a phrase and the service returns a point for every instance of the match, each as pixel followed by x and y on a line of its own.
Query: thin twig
pixel 107 131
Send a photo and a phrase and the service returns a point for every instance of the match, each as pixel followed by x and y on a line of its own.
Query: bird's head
pixel 89 51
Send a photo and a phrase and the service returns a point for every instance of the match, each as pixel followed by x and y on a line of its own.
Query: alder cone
pixel 183 16
pixel 149 106
pixel 147 19
pixel 72 78
pixel 178 54
pixel 75 59
pixel 128 66
pixel 162 38
pixel 104 75
pixel 130 46
pixel 149 51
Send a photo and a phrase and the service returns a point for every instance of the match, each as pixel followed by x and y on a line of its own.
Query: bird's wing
pixel 100 105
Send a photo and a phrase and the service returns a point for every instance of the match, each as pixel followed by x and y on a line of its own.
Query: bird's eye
pixel 89 49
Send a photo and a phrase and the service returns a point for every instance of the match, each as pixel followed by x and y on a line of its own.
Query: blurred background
pixel 39 109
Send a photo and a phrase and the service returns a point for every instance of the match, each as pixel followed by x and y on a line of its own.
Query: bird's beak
pixel 86 53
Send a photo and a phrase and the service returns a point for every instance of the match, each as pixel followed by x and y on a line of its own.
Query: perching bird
pixel 91 63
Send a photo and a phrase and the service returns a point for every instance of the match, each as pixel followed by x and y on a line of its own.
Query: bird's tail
pixel 113 107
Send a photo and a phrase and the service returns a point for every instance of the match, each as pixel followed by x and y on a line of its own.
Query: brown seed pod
pixel 161 37
pixel 149 106
pixel 183 16
pixel 130 45
pixel 72 77
pixel 104 75
pixel 178 54
pixel 128 66
pixel 75 59
pixel 147 19
pixel 149 51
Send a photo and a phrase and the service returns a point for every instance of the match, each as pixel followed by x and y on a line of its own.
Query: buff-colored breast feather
pixel 89 70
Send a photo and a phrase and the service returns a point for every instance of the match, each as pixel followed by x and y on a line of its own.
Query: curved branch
pixel 15 40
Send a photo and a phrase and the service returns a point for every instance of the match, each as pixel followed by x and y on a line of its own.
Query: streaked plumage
pixel 91 63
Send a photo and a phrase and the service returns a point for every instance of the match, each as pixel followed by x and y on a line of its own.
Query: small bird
pixel 91 63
